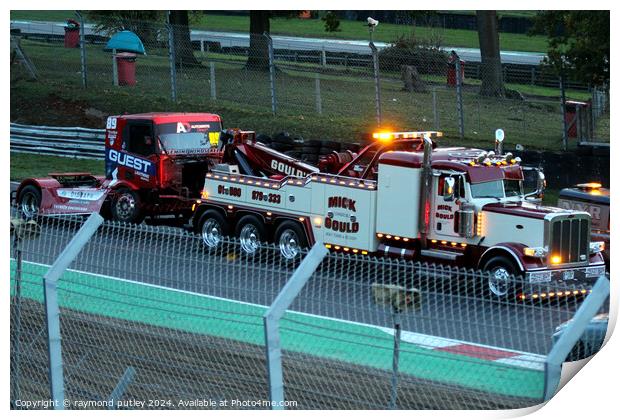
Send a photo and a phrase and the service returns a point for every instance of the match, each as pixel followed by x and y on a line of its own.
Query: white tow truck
pixel 405 197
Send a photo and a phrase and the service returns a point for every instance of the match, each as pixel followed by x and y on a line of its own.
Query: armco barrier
pixel 77 142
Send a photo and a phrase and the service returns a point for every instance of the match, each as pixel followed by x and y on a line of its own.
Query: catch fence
pixel 144 317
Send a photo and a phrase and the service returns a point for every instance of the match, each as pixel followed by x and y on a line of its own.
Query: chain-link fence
pixel 410 84
pixel 147 318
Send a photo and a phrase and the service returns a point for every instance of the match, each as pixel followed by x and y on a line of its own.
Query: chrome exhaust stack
pixel 427 174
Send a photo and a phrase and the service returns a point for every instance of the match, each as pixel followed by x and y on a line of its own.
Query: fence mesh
pixel 320 87
pixel 188 324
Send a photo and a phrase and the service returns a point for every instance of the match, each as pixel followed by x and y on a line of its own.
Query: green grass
pixel 244 98
pixel 386 32
pixel 26 165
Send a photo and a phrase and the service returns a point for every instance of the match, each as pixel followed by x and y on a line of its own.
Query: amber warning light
pixel 389 135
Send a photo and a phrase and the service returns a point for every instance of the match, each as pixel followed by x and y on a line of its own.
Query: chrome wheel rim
pixel 125 206
pixel 29 205
pixel 211 233
pixel 249 239
pixel 289 244
pixel 498 282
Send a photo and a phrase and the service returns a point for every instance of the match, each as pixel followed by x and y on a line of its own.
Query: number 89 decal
pixel 270 198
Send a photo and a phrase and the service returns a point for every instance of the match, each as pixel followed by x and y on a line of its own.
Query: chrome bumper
pixel 566 275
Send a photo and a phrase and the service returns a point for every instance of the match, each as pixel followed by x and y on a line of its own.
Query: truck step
pixel 441 254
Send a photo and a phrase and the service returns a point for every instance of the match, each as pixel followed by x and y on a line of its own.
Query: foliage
pixel 427 56
pixel 579 43
pixel 141 22
pixel 332 23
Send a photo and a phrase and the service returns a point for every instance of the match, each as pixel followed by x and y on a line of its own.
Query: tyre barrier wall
pixel 76 142
pixel 565 169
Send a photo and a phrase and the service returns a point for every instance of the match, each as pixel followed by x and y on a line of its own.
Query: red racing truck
pixel 155 166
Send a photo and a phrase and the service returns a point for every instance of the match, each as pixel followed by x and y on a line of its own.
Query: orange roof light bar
pixel 388 135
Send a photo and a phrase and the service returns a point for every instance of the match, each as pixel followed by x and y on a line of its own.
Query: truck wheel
pixel 29 202
pixel 126 207
pixel 290 239
pixel 500 270
pixel 251 234
pixel 213 227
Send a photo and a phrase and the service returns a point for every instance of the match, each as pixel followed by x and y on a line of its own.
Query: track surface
pixel 234 39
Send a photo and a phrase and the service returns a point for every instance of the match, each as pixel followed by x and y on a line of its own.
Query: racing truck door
pixel 443 210
pixel 134 159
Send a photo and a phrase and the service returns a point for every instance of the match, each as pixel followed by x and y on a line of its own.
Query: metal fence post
pixel 52 309
pixel 323 56
pixel 375 65
pixel 317 92
pixel 16 311
pixel 212 80
pixel 272 74
pixel 82 49
pixel 435 114
pixel 172 60
pixel 561 349
pixel 114 68
pixel 459 98
pixel 271 320
pixel 563 105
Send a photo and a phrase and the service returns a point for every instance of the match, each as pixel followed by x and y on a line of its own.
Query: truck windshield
pixel 489 189
pixel 189 138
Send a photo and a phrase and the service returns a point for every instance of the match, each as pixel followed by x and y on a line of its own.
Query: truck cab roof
pixel 168 117
pixel 458 159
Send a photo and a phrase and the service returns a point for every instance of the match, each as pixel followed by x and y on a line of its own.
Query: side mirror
pixel 541 184
pixel 448 188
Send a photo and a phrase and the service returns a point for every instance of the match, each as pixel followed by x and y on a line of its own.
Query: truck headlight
pixel 538 252
pixel 597 247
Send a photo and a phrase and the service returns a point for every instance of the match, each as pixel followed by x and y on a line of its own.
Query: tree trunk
pixel 258 55
pixel 491 63
pixel 184 53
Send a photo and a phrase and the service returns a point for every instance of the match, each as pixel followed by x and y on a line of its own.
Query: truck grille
pixel 569 238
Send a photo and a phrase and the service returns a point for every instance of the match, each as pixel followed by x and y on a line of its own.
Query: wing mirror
pixel 448 188
pixel 541 184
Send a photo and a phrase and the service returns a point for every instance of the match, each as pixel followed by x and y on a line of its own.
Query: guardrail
pixel 76 142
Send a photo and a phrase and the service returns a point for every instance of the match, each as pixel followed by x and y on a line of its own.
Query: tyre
pixel 310 158
pixel 578 352
pixel 212 227
pixel 310 150
pixel 127 207
pixel 500 271
pixel 29 202
pixel 280 147
pixel 331 145
pixel 323 151
pixel 251 233
pixel 290 240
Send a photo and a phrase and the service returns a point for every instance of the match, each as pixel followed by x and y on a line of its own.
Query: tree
pixel 143 23
pixel 491 62
pixel 578 43
pixel 183 50
pixel 258 55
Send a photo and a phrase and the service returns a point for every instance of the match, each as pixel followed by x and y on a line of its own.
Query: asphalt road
pixel 172 258
pixel 235 39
